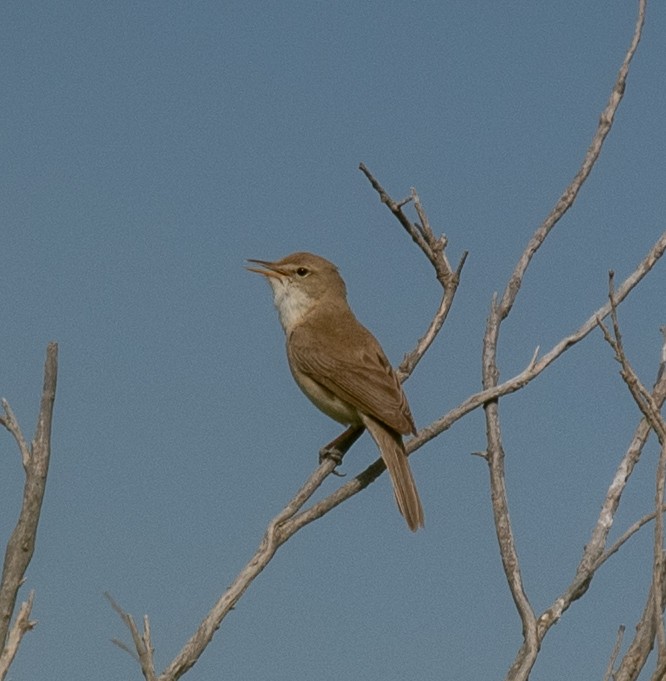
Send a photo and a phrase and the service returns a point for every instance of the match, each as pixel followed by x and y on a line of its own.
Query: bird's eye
pixel 302 271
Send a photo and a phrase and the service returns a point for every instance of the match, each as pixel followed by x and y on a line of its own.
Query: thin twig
pixel 569 196
pixel 434 248
pixel 396 208
pixel 533 369
pixel 641 646
pixel 651 412
pixel 21 625
pixel 595 553
pixel 142 641
pixel 10 422
pixel 625 537
pixel 614 653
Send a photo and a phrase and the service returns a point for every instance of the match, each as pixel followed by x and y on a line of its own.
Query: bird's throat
pixel 292 303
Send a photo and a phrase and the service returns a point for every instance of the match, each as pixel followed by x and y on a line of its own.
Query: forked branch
pixel 21 544
pixel 434 248
pixel 651 410
pixel 500 309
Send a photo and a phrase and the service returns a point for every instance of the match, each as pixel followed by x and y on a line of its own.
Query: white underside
pixel 291 302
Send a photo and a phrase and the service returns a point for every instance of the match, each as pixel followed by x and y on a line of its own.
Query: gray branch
pixel 21 544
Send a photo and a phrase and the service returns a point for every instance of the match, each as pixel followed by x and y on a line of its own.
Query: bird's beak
pixel 271 269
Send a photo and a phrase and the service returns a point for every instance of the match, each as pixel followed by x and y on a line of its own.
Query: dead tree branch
pixel 434 248
pixel 650 409
pixel 21 625
pixel 595 553
pixel 538 363
pixel 532 636
pixel 608 676
pixel 569 196
pixel 21 544
pixel 142 642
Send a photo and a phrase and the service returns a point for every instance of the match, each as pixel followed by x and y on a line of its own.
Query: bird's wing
pixel 358 373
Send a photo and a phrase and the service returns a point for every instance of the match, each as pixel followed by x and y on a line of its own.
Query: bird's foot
pixel 332 454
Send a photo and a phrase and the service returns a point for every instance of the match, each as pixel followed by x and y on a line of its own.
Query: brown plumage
pixel 340 366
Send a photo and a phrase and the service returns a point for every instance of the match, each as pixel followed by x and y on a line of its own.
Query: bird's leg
pixel 337 448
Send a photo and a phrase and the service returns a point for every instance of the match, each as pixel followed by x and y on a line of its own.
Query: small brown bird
pixel 340 366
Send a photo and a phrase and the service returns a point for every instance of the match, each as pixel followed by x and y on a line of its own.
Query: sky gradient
pixel 147 150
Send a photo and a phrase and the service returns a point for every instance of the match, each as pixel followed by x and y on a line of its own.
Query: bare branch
pixel 22 623
pixel 396 208
pixel 142 641
pixel 10 422
pixel 615 652
pixel 639 649
pixel 595 554
pixel 412 358
pixel 290 521
pixel 532 635
pixel 533 368
pixel 526 657
pixel 277 533
pixel 434 249
pixel 641 395
pixel 571 192
pixel 651 412
pixel 21 544
pixel 625 536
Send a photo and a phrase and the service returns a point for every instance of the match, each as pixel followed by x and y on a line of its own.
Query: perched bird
pixel 339 364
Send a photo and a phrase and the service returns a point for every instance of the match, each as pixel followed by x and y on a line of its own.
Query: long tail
pixel 393 452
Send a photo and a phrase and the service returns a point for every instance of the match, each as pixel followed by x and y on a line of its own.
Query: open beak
pixel 270 268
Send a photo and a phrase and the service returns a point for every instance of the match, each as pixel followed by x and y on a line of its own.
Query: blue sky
pixel 147 150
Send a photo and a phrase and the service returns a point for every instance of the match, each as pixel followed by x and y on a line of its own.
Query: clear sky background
pixel 147 150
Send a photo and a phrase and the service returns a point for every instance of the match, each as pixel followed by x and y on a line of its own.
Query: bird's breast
pixel 325 400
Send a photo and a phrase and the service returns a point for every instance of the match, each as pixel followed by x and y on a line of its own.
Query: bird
pixel 340 366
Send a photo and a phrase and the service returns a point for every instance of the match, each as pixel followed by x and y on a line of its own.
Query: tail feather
pixel 392 450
